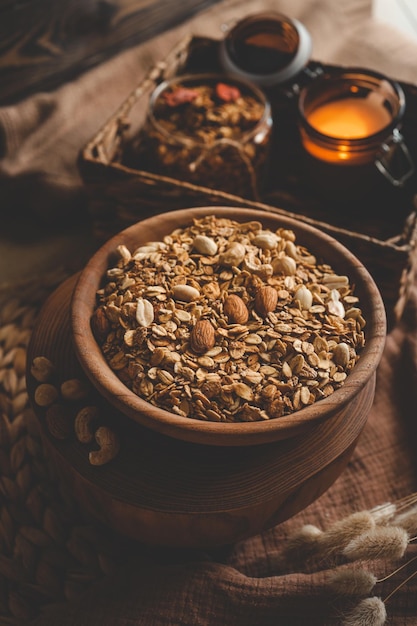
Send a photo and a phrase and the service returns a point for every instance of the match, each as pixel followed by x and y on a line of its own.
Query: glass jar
pixel 351 119
pixel 267 48
pixel 212 130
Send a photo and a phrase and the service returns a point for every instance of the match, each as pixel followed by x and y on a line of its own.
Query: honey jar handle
pixel 389 149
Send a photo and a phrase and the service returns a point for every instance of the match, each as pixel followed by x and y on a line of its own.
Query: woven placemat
pixel 50 551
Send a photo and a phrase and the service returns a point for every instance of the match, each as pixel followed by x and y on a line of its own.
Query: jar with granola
pixel 208 129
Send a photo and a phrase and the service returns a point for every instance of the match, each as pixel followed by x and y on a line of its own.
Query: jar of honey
pixel 351 118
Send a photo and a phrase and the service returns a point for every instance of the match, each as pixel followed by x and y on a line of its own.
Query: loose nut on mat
pixel 46 394
pixel 42 369
pixel 84 422
pixel 74 389
pixel 109 446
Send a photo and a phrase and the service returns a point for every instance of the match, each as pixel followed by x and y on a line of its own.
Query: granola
pixel 227 321
pixel 209 131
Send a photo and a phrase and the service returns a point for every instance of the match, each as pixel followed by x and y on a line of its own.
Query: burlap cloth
pixel 58 566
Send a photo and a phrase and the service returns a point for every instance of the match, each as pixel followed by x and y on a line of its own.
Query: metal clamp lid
pixel 285 43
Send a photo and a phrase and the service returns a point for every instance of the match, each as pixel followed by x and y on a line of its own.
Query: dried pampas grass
pixel 390 512
pixel 302 544
pixel 382 542
pixel 352 582
pixel 369 612
pixel 339 534
pixel 383 532
pixel 407 520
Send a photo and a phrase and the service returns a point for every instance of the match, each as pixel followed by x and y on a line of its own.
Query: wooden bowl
pixel 243 433
pixel 187 483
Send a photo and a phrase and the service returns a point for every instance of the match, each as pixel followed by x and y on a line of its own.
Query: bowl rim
pixel 194 430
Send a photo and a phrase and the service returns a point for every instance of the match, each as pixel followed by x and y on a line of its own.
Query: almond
pixel 266 299
pixel 235 310
pixel 202 337
pixel 100 325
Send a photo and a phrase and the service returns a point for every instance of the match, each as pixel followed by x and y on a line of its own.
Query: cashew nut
pixel 233 255
pixel 124 254
pixel 109 446
pixel 252 265
pixel 83 424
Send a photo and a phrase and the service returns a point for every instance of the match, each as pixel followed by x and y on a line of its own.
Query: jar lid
pixel 266 48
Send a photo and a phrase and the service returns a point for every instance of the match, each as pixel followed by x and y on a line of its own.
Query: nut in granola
pixel 235 309
pixel 202 337
pixel 266 299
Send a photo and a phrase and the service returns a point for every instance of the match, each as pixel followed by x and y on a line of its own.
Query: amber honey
pixel 353 118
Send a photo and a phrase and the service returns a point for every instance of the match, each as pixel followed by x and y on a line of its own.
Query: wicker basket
pixel 379 227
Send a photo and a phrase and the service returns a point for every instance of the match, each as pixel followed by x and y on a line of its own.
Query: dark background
pixel 44 43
